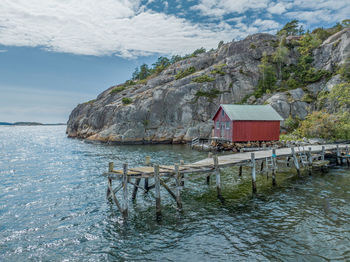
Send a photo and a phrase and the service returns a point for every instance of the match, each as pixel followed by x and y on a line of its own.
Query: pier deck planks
pixel 207 164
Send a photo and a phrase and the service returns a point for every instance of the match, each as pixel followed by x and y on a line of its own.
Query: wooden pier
pixel 301 157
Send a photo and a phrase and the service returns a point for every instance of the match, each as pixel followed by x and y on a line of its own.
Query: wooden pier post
pixel 210 155
pixel 273 167
pixel 183 175
pixel 217 175
pixel 310 160
pixel 147 163
pixel 296 162
pixel 136 187
pixel 323 153
pixel 157 188
pixel 347 155
pixel 240 171
pixel 110 169
pixel 125 190
pixel 253 173
pixel 338 156
pixel 178 187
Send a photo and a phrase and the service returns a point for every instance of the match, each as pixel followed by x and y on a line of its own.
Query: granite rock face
pixel 166 110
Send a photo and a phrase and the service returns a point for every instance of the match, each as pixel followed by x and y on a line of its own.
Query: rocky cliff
pixel 170 109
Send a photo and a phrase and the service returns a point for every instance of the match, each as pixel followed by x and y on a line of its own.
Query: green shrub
pixel 186 72
pixel 324 125
pixel 203 78
pixel 90 102
pixel 290 137
pixel 117 89
pixel 146 122
pixel 252 46
pixel 198 51
pixel 291 123
pixel 344 70
pixel 129 83
pixel 218 70
pixel 321 33
pixel 245 99
pixel 339 97
pixel 142 82
pixel 318 124
pixel 212 94
pixel 220 44
pixel 308 98
pixel 126 100
pixel 292 83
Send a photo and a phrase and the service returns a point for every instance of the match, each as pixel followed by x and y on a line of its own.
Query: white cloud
pixel 278 8
pixel 266 25
pixel 313 12
pixel 3 51
pixel 89 27
pixel 222 7
pixel 312 17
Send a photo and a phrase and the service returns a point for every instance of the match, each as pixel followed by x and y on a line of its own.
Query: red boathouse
pixel 242 123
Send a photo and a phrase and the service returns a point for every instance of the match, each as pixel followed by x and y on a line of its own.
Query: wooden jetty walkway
pixel 301 157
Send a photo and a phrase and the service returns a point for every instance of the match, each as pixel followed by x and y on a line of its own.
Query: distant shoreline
pixel 30 124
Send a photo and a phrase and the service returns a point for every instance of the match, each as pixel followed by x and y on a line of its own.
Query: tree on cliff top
pixel 291 28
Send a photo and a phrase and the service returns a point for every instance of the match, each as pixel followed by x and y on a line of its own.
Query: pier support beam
pixel 338 156
pixel 147 163
pixel 323 152
pixel 218 178
pixel 157 188
pixel 210 155
pixel 253 173
pixel 183 175
pixel 110 169
pixel 296 162
pixel 178 187
pixel 125 190
pixel 136 187
pixel 274 163
pixel 310 161
pixel 347 155
pixel 240 171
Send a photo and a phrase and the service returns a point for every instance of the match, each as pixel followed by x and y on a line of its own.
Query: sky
pixel 55 54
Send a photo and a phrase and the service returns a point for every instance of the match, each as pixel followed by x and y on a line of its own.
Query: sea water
pixel 53 208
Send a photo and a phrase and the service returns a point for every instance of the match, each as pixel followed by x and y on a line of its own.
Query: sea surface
pixel 53 207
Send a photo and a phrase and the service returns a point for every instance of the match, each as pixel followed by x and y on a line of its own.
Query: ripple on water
pixel 53 207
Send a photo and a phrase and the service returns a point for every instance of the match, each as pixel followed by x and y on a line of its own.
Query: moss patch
pixel 203 79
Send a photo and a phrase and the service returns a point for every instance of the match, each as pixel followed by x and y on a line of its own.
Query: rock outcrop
pixel 170 110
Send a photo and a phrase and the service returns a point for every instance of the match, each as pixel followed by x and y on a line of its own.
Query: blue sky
pixel 55 54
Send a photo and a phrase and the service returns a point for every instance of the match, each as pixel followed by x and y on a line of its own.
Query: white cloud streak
pixel 128 29
pixel 103 27
pixel 222 7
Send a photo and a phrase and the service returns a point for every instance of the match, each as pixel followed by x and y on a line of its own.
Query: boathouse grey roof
pixel 251 112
